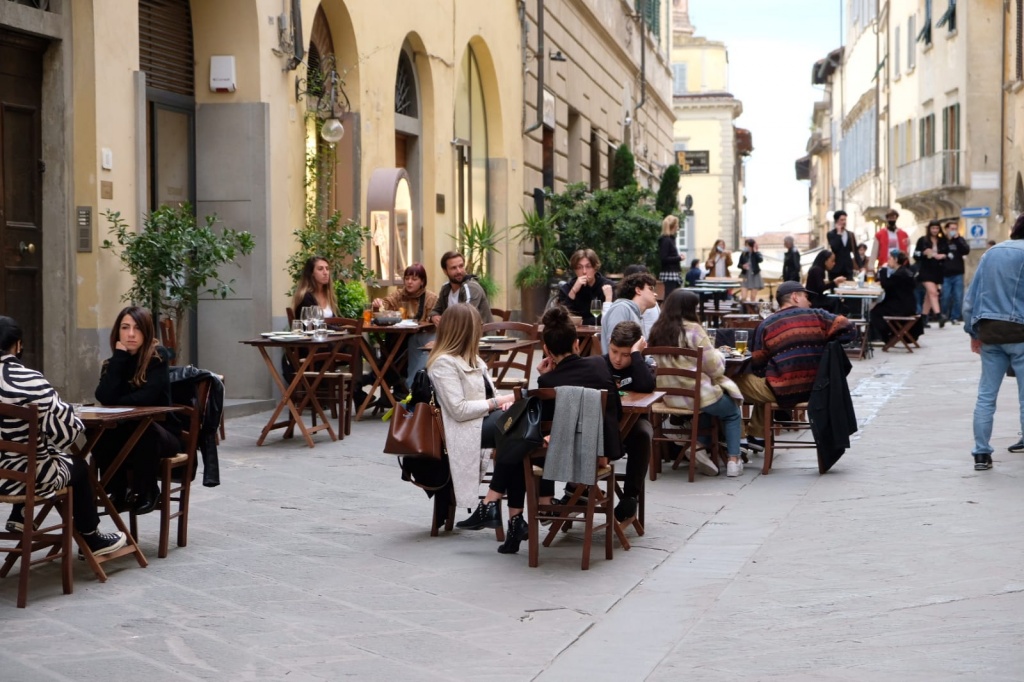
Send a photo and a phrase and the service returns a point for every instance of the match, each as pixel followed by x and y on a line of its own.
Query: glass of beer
pixel 741 340
pixel 870 279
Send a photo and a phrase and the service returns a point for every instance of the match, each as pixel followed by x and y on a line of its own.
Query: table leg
pixel 379 373
pixel 310 397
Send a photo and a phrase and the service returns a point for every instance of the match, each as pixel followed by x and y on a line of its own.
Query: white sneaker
pixel 705 465
pixel 733 469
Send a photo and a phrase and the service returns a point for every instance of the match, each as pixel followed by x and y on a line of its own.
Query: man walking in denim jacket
pixel 994 318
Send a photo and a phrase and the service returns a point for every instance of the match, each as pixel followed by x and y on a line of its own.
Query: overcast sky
pixel 772 46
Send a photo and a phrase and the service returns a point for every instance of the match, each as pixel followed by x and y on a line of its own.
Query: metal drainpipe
pixel 539 56
pixel 1002 118
pixel 643 58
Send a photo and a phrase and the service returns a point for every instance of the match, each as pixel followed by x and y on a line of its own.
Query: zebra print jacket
pixel 58 428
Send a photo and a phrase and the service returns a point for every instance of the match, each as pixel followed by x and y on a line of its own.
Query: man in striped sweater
pixel 786 352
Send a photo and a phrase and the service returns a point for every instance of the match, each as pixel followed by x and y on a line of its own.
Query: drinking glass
pixel 367 313
pixel 741 340
pixel 870 278
pixel 307 317
pixel 296 326
pixel 596 306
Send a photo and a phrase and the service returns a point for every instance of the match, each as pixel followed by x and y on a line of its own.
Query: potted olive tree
pixel 173 259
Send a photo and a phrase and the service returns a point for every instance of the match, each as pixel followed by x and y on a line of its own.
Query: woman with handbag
pixel 470 407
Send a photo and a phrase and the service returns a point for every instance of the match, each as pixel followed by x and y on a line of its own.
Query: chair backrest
pixel 549 394
pixel 520 359
pixel 195 412
pixel 15 419
pixel 504 315
pixel 168 339
pixel 692 372
pixel 290 314
pixel 350 351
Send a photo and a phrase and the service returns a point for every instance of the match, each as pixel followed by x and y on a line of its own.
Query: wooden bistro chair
pixel 900 327
pixel 520 360
pixel 169 340
pixel 176 475
pixel 339 382
pixel 598 501
pixel 56 537
pixel 500 314
pixel 665 432
pixel 773 429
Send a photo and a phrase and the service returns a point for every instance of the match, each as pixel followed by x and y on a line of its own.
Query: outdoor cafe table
pixel 712 285
pixel 292 347
pixel 866 294
pixel 585 333
pixel 97 420
pixel 634 406
pixel 401 332
pixel 492 351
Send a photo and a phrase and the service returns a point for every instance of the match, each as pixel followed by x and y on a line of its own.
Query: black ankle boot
pixel 517 532
pixel 485 516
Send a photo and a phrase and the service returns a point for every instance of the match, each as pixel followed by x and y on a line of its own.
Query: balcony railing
pixel 938 171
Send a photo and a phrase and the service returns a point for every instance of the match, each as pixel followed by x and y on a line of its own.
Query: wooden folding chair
pixel 598 501
pixel 773 429
pixel 500 314
pixel 519 359
pixel 901 327
pixel 57 537
pixel 665 432
pixel 180 467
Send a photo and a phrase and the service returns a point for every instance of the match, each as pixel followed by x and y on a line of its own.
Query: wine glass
pixel 307 317
pixel 596 306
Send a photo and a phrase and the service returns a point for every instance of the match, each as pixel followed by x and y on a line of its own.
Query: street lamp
pixel 325 84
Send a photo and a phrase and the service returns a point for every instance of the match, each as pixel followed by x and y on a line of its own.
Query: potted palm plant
pixel 536 280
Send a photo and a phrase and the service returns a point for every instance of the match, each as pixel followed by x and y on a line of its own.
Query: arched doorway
pixel 408 155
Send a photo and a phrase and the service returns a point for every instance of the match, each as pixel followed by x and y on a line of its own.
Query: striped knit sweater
pixel 58 428
pixel 787 349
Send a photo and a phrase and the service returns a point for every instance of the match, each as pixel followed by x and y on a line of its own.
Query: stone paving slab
pixel 316 564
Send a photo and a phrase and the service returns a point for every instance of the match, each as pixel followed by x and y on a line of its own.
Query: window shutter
pixel 165 45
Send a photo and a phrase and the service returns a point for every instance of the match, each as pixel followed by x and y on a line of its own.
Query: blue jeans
pixel 729 413
pixel 953 297
pixel 995 358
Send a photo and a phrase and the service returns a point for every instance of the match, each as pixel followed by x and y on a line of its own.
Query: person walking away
pixel 842 243
pixel 694 274
pixel 790 261
pixel 668 254
pixel 994 319
pixel 953 275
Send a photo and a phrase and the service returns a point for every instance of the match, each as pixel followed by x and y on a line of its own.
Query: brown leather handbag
pixel 416 434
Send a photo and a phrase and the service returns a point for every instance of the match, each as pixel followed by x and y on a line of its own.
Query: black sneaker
pixel 1017 447
pixel 625 509
pixel 982 462
pixel 103 543
pixel 755 444
pixel 485 516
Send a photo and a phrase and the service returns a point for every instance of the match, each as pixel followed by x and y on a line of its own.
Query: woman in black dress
pixel 930 255
pixel 136 374
pixel 668 254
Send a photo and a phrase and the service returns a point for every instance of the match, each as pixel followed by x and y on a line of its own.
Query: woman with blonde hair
pixel 469 404
pixel 315 288
pixel 668 254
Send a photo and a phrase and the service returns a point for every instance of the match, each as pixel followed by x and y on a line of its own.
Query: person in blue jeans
pixel 953 275
pixel 994 318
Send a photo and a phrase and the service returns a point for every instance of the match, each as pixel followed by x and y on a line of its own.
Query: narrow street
pixel 901 564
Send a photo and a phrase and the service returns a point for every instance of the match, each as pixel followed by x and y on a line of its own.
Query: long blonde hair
pixel 670 225
pixel 458 334
pixel 307 284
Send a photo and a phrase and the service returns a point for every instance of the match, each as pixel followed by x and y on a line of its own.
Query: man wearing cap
pixel 889 238
pixel 786 352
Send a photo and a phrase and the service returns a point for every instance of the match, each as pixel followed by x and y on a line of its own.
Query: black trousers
pixel 144 459
pixel 637 444
pixel 83 502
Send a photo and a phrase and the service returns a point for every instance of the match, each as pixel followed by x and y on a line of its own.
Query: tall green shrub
pixel 667 202
pixel 623 169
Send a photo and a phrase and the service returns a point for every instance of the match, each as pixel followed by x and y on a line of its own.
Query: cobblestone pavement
pixel 902 563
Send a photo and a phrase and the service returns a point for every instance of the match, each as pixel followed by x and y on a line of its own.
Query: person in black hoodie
pixel 630 372
pixel 136 374
pixel 588 284
pixel 953 275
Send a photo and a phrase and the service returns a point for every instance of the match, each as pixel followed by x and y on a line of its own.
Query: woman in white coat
pixel 469 406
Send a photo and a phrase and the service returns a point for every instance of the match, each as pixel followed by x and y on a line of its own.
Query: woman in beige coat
pixel 466 396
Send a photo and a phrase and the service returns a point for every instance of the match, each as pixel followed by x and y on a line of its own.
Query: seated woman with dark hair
pixel 415 303
pixel 897 280
pixel 562 366
pixel 818 282
pixel 136 374
pixel 58 430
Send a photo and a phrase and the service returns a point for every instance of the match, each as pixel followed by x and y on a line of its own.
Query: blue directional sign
pixel 979 212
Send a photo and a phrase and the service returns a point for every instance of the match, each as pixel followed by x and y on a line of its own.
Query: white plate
pixel 498 339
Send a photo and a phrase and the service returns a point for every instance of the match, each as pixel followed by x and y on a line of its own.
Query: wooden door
pixel 21 201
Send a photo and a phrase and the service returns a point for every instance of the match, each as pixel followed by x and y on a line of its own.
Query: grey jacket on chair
pixel 577 435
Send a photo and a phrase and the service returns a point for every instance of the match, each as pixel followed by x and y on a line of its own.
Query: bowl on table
pixel 577 320
pixel 386 319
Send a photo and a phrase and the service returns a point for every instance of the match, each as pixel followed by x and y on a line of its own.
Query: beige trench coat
pixel 460 393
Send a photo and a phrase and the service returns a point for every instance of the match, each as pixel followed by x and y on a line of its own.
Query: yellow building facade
pixel 132 104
